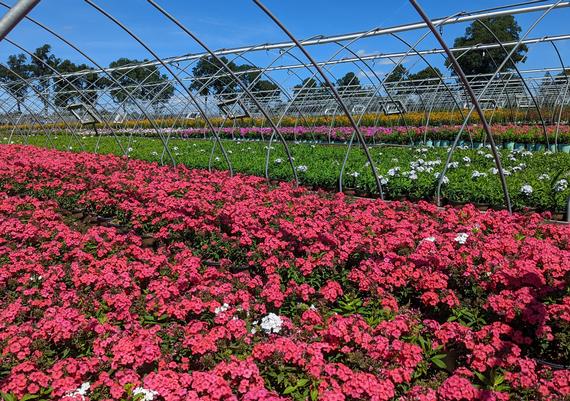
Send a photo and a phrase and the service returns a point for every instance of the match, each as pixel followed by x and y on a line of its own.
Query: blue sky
pixel 225 23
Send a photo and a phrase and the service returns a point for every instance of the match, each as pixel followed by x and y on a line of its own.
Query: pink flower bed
pixel 259 293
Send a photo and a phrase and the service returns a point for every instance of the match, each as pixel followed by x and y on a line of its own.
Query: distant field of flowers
pixel 124 280
pixel 527 137
pixel 536 179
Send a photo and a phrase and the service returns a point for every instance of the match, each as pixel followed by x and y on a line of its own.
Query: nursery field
pixel 536 180
pixel 122 279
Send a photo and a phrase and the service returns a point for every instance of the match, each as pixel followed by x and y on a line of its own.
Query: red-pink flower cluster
pixel 120 277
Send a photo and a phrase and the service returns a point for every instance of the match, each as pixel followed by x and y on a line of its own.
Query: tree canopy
pixel 139 82
pixel 349 83
pixel 13 75
pixel 305 88
pixel 211 77
pixel 398 74
pixel 484 61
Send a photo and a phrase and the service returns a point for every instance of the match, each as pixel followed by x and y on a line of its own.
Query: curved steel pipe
pixel 232 73
pixel 77 49
pixel 506 60
pixel 14 15
pixel 147 48
pixel 509 56
pixel 69 82
pixel 474 99
pixel 47 101
pixel 333 90
pixel 431 67
pixel 42 126
pixel 563 98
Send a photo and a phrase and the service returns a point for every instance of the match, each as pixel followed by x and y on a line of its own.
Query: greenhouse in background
pixel 378 213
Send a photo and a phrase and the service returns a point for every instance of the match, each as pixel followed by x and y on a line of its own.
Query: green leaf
pixel 498 380
pixel 8 397
pixel 302 382
pixel 29 397
pixel 289 390
pixel 314 394
pixel 480 376
pixel 438 362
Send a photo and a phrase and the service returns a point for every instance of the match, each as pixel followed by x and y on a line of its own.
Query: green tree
pixel 480 61
pixel 425 76
pixel 305 88
pixel 424 79
pixel 398 74
pixel 349 83
pixel 139 82
pixel 251 77
pixel 211 77
pixel 77 85
pixel 160 92
pixel 12 76
pixel 43 75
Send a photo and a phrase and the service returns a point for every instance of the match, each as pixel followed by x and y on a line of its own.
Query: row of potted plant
pixel 435 118
pixel 404 172
pixel 529 137
pixel 266 294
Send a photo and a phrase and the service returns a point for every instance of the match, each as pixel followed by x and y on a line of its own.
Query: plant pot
pixel 519 146
pixel 477 145
pixel 445 143
pixel 564 147
pixel 552 147
pixel 429 143
pixel 510 145
pixel 539 147
pixel 529 147
pixel 437 143
pixel 456 203
pixel 148 240
pixel 483 206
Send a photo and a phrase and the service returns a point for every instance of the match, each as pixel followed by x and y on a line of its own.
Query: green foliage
pixel 78 88
pixel 398 74
pixel 371 310
pixel 306 88
pixel 323 169
pixel 208 76
pixel 43 395
pixel 475 62
pixel 13 75
pixel 426 77
pixel 349 83
pixel 253 80
pixel 136 82
pixel 492 380
pixel 211 76
pixel 290 381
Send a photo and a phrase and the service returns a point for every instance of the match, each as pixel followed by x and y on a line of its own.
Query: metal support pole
pixel 236 79
pixel 332 89
pixel 473 97
pixel 14 15
pixel 174 75
pixel 492 33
